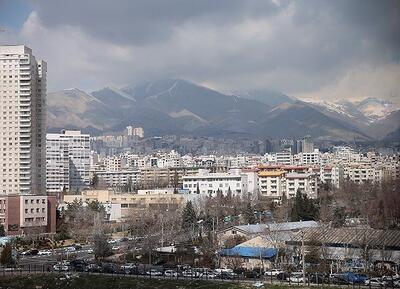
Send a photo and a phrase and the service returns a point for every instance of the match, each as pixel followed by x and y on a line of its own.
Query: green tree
pixel 6 255
pixel 2 231
pixel 249 214
pixel 189 219
pixel 101 247
pixel 229 194
pixel 96 206
pixel 303 208
pixel 339 217
pixel 95 181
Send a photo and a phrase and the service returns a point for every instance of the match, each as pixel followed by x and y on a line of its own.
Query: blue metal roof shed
pixel 250 252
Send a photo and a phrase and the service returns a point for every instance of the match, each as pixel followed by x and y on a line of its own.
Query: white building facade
pixel 77 146
pixel 209 184
pixel 23 121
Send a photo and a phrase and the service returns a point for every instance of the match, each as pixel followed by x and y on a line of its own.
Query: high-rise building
pixel 68 161
pixel 307 144
pixel 23 121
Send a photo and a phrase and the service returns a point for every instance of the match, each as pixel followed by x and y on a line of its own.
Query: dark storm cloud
pixel 140 22
pixel 297 47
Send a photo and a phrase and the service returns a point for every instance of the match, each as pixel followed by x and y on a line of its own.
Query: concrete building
pixel 307 145
pixel 135 131
pixel 23 214
pixel 23 121
pixel 304 182
pixel 310 157
pixel 69 175
pixel 276 183
pixel 284 157
pixel 123 206
pixel 117 178
pixel 272 184
pixel 361 174
pixel 331 175
pixel 209 184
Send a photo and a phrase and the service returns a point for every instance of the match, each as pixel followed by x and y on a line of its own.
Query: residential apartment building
pixel 23 214
pixel 361 174
pixel 23 121
pixel 117 178
pixel 310 158
pixel 274 184
pixel 209 184
pixel 68 161
pixel 284 158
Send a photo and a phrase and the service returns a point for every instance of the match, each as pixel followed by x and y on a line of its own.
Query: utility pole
pixel 302 257
pixel 213 229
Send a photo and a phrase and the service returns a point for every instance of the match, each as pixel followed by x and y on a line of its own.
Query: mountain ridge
pixel 175 106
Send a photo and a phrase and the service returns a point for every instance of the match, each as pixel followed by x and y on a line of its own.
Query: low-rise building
pixel 120 207
pixel 209 184
pixel 22 214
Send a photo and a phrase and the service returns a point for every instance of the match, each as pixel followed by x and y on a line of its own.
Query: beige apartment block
pixel 23 121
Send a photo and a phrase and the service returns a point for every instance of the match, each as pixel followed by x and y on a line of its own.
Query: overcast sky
pixel 319 49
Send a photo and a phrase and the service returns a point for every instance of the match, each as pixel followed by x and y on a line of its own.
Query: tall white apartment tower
pixel 23 121
pixel 68 161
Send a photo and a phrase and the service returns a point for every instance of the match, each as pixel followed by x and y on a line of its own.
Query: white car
pixel 296 278
pixel 273 272
pixel 60 267
pixel 115 248
pixel 69 249
pixel 170 273
pixel 44 253
pixel 258 284
pixel 153 272
pixel 128 266
pixel 190 274
pixel 375 282
pixel 208 274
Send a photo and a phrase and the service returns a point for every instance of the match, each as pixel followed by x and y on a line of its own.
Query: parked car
pixel 296 278
pixel 128 266
pixel 69 249
pixel 31 252
pixel 78 265
pixel 208 274
pixel 282 276
pixel 110 268
pixel 44 253
pixel 273 272
pixel 60 267
pixel 171 273
pixel 94 268
pixel 338 280
pixel 190 274
pixel 354 278
pixel 227 275
pixel 154 272
pixel 258 284
pixel 375 282
pixel 319 278
pixel 251 274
